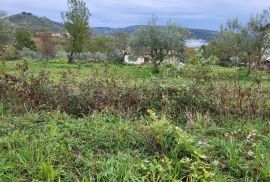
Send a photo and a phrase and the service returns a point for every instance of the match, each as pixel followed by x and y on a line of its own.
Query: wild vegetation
pixel 88 117
pixel 133 125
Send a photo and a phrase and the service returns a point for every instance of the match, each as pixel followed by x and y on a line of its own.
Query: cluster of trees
pixel 5 36
pixel 159 42
pixel 15 40
pixel 153 40
pixel 244 43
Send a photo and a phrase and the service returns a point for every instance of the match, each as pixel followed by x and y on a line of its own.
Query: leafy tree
pixel 100 44
pixel 258 34
pixel 46 44
pixel 232 41
pixel 159 42
pixel 249 42
pixel 5 33
pixel 23 39
pixel 120 45
pixel 76 23
pixel 26 54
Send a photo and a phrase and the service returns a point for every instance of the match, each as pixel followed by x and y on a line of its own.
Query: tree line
pixel 245 43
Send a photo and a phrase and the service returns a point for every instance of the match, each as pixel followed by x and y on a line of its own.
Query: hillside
pixel 206 35
pixel 36 23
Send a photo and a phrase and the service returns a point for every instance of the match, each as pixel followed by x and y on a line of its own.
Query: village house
pixel 59 35
pixel 128 59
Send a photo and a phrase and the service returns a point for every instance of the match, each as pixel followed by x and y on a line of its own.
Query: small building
pixel 59 35
pixel 139 60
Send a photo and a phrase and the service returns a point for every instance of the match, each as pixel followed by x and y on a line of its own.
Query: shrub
pixel 88 56
pixel 61 55
pixel 8 53
pixel 26 53
pixel 116 55
pixel 98 56
pixel 197 57
pixel 85 56
pixel 212 60
pixel 104 93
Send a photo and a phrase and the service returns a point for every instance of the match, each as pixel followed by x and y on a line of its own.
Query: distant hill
pixel 206 35
pixel 35 23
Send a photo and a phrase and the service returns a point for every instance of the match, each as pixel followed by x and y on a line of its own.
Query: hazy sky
pixel 206 14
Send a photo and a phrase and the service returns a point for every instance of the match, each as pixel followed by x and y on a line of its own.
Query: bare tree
pixel 46 45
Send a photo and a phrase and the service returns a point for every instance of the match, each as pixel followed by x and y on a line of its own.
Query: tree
pixel 249 42
pixel 258 34
pixel 100 44
pixel 76 23
pixel 23 39
pixel 5 32
pixel 2 33
pixel 46 44
pixel 159 42
pixel 118 46
pixel 232 41
pixel 7 50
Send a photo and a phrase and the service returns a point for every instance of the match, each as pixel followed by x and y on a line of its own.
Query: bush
pixel 107 94
pixel 116 55
pixel 8 53
pixel 98 56
pixel 85 56
pixel 26 53
pixel 198 58
pixel 88 56
pixel 212 60
pixel 61 55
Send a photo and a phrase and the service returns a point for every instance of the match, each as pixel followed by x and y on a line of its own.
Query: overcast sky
pixel 205 14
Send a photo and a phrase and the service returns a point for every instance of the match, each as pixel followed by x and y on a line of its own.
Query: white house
pixel 140 60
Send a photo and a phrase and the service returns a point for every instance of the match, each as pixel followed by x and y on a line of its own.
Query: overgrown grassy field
pixel 108 122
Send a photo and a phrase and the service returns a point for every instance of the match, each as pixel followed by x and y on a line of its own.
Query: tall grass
pixel 110 128
pixel 104 92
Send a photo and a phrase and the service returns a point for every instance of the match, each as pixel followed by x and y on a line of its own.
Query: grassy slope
pixel 52 146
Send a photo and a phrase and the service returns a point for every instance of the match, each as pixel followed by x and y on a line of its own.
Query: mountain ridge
pixel 36 23
pixel 203 34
